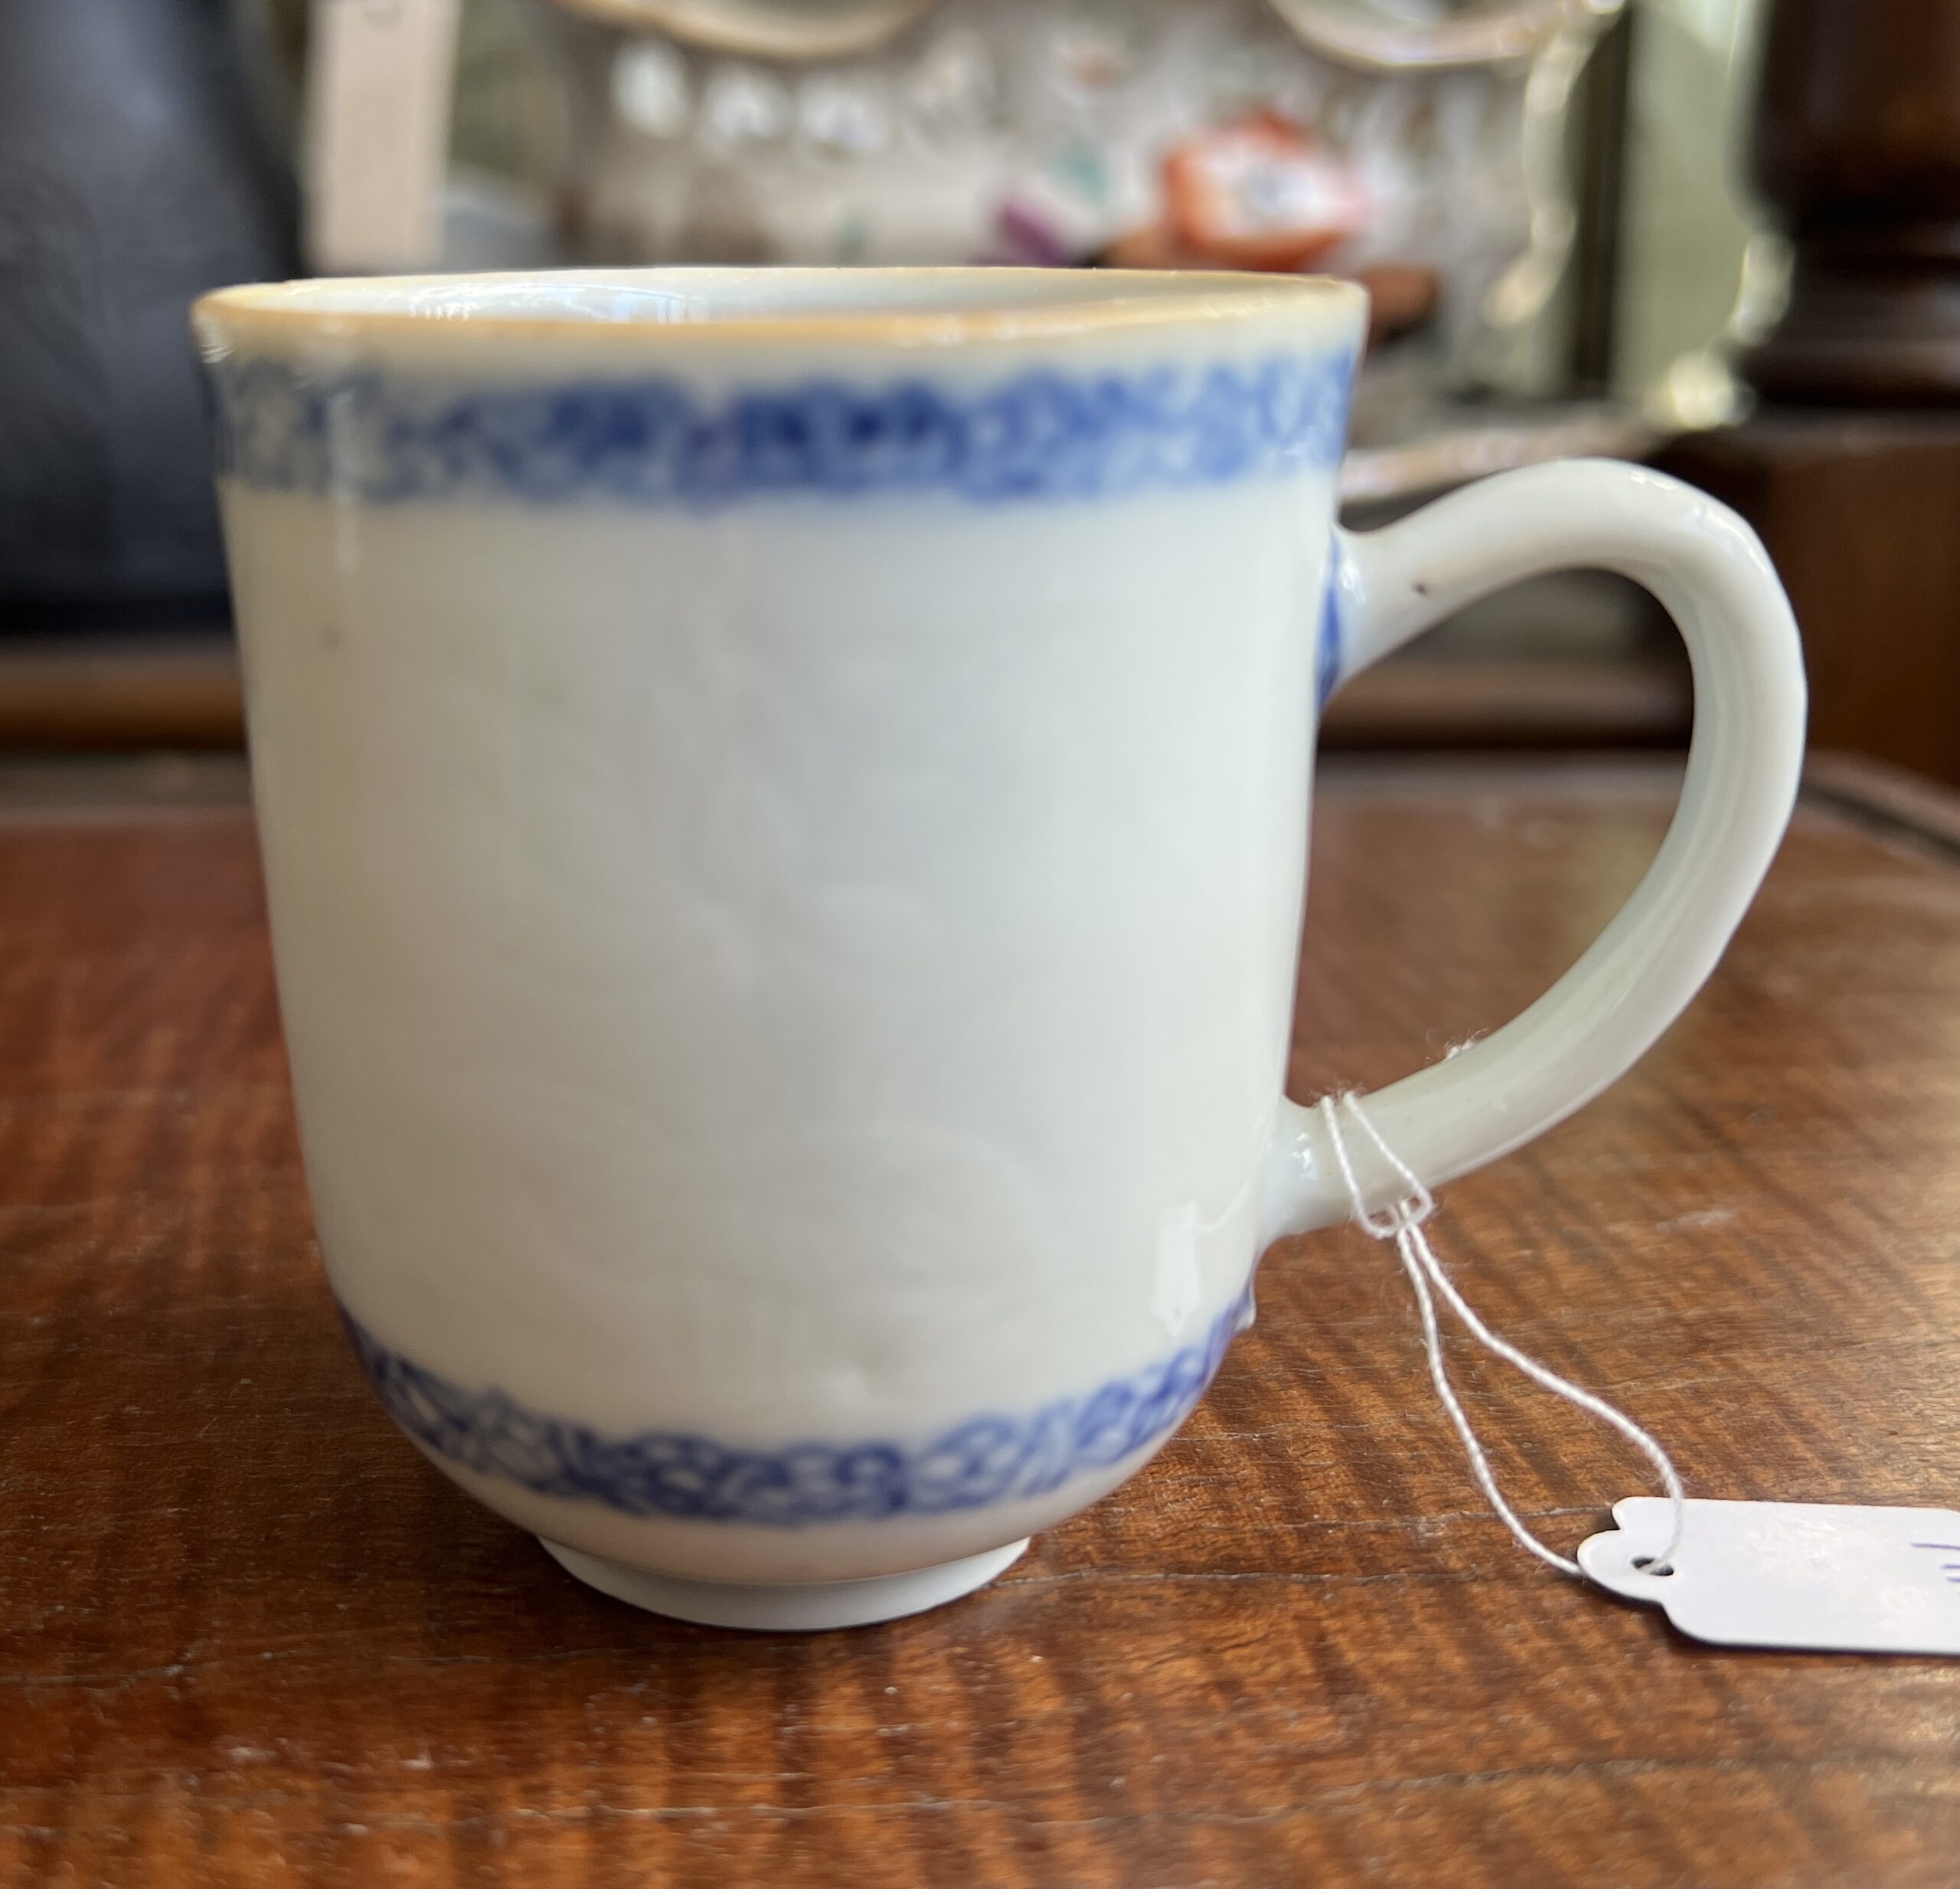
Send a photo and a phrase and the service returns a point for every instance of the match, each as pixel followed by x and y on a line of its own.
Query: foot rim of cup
pixel 787 1607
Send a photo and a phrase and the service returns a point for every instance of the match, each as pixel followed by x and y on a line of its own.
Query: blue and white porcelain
pixel 785 802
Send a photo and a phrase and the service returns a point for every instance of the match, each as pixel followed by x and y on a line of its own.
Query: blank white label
pixel 1811 1575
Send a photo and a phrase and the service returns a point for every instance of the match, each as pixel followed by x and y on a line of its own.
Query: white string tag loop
pixel 1402 1223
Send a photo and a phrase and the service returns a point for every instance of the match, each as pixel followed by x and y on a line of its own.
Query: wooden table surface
pixel 247 1636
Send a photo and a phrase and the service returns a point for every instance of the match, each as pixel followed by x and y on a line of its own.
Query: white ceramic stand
pixel 788 1608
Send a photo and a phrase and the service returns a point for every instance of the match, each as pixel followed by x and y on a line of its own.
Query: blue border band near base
pixel 679 1476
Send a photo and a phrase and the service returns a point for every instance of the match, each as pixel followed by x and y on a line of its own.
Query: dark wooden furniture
pixel 1857 145
pixel 98 694
pixel 247 1636
pixel 1861 512
pixel 1851 470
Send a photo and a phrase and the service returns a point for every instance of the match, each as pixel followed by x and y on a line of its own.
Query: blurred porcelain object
pixel 745 105
pixel 650 89
pixel 764 29
pixel 845 113
pixel 1095 47
pixel 954 92
pixel 785 798
pixel 1431 37
pixel 1432 137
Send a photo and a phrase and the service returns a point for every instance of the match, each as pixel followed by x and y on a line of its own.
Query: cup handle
pixel 1712 574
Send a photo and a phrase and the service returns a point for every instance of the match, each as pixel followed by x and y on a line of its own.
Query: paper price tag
pixel 1819 1577
pixel 379 78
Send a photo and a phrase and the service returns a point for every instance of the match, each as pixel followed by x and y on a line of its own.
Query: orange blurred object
pixel 1262 193
pixel 1401 296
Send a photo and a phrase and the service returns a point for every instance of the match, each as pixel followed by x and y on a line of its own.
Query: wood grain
pixel 247 1636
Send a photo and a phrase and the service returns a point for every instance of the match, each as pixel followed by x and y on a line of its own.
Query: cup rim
pixel 919 306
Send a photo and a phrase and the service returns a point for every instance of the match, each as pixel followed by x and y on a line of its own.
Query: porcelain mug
pixel 785 805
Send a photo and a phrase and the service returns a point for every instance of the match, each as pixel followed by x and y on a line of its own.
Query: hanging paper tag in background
pixel 1814 1576
pixel 379 80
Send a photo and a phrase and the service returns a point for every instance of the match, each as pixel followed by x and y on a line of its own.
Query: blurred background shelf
pixel 158 692
pixel 1721 236
pixel 1514 702
pixel 123 694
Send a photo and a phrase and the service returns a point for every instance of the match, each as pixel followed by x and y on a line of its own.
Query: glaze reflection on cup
pixel 785 800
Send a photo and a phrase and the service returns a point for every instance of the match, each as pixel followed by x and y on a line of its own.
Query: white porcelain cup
pixel 785 802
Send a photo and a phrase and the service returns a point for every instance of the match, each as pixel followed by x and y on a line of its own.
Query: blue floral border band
pixel 1043 434
pixel 683 1477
